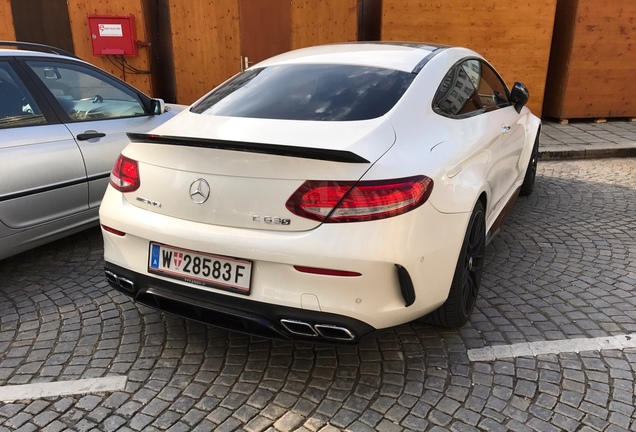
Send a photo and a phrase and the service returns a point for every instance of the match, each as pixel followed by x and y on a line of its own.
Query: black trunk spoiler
pixel 272 149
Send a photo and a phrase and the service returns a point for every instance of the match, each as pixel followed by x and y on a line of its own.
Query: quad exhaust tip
pixel 326 331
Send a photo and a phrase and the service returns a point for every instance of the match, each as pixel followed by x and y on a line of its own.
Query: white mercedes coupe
pixel 324 194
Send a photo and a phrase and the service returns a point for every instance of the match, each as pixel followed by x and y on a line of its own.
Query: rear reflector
pixel 125 175
pixel 113 231
pixel 327 272
pixel 333 201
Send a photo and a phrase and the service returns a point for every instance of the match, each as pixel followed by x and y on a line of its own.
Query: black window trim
pixel 438 49
pixel 476 112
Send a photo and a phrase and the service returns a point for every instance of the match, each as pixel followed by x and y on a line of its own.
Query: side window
pixel 86 94
pixel 457 94
pixel 17 107
pixel 470 88
pixel 492 91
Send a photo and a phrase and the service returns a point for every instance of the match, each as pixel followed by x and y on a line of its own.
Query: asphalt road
pixel 550 346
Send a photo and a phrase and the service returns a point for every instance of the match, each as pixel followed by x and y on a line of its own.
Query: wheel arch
pixel 534 125
pixel 483 197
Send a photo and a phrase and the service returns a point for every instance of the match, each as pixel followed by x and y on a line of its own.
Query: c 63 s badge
pixel 271 220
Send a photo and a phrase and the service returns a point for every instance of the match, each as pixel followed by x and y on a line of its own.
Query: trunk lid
pixel 248 168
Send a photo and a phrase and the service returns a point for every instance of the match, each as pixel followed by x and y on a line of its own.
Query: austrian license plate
pixel 199 268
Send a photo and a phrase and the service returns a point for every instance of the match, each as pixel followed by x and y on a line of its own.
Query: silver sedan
pixel 62 124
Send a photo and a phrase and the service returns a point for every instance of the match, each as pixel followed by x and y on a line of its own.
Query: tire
pixel 467 277
pixel 531 172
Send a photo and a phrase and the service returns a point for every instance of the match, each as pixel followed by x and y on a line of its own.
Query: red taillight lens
pixel 125 174
pixel 331 202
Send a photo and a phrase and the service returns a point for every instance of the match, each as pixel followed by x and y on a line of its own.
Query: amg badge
pixel 149 202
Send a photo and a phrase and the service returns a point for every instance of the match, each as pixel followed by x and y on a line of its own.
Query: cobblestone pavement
pixel 564 267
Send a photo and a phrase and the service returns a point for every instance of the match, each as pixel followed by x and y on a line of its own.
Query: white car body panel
pixel 369 139
pixel 248 185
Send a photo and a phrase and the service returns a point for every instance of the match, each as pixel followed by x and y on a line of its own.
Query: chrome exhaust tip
pixel 111 277
pixel 127 284
pixel 329 331
pixel 123 283
pixel 299 327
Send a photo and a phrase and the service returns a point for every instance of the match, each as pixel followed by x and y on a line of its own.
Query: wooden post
pixel 592 67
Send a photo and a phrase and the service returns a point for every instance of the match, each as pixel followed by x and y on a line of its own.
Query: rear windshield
pixel 308 92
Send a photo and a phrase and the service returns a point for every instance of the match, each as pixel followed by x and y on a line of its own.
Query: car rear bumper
pixel 405 265
pixel 237 314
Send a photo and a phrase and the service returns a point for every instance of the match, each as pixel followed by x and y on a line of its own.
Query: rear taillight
pixel 333 201
pixel 125 174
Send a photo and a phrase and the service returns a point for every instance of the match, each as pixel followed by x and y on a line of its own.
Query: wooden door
pixel 42 21
pixel 265 27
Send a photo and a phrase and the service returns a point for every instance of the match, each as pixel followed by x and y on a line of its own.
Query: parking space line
pixel 12 393
pixel 528 349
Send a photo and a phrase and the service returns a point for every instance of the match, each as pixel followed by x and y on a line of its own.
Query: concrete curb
pixel 592 153
pixel 586 140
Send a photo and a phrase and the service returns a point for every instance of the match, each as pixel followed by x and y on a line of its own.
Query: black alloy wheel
pixel 467 277
pixel 531 171
pixel 473 261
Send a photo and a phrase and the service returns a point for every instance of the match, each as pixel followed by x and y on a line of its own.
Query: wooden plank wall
pixel 593 67
pixel 515 36
pixel 78 11
pixel 206 45
pixel 206 37
pixel 7 31
pixel 317 22
pixel 42 21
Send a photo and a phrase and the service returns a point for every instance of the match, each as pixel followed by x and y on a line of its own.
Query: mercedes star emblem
pixel 199 191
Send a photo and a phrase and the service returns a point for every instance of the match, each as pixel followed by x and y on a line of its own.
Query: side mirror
pixel 157 106
pixel 519 95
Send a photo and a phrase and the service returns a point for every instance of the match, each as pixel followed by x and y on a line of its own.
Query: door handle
pixel 505 128
pixel 89 134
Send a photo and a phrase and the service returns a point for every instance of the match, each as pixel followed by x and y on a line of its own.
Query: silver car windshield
pixel 308 92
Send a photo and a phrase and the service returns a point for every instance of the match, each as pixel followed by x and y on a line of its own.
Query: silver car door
pixel 42 174
pixel 100 152
pixel 101 110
